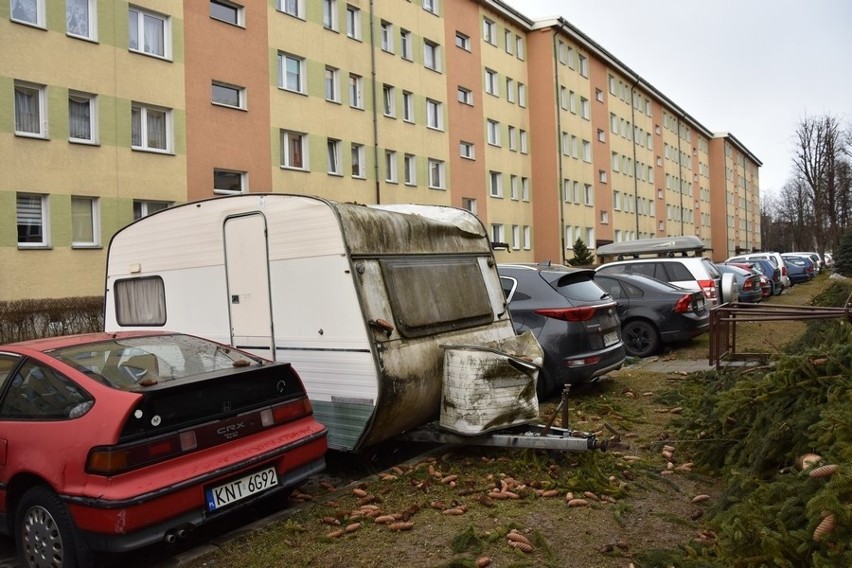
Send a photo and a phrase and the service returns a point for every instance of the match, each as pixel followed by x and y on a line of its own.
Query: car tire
pixel 543 385
pixel 640 338
pixel 45 534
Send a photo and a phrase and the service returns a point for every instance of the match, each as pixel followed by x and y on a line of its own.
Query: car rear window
pixel 580 287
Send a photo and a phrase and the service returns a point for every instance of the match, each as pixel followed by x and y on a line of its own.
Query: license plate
pixel 610 338
pixel 238 489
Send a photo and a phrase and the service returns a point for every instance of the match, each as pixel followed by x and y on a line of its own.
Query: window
pixel 82 111
pixel 525 189
pixel 149 33
pixel 527 237
pixel 332 84
pixel 32 220
pixel 387 36
pixel 407 106
pixel 405 45
pixel 601 135
pixel 30 110
pixel 465 96
pixel 291 73
pixel 510 90
pixel 434 115
pixel 294 150
pixel 436 174
pixel 388 101
pixel 144 208
pixel 353 22
pixel 522 94
pixel 492 131
pixel 519 49
pixel 329 14
pixel 523 137
pixel 584 108
pixel 491 86
pixel 333 154
pixel 584 66
pixel 498 233
pixel 356 98
pixel 410 167
pixel 151 128
pixel 604 217
pixel 508 41
pixel 431 55
pixel 292 7
pixel 489 31
pixel 28 12
pixel 37 392
pixel 516 237
pixel 602 176
pixel 140 301
pixel 495 184
pixel 390 167
pixel 599 96
pixel 229 181
pixel 587 151
pixel 462 41
pixel 228 95
pixel 615 161
pixel 358 166
pixel 470 204
pixel 514 188
pixel 588 195
pixel 431 6
pixel 466 150
pixel 80 18
pixel 85 228
pixel 563 98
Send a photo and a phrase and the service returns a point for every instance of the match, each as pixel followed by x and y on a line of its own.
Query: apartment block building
pixel 110 111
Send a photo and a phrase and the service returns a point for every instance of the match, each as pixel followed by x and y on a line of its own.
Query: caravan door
pixel 247 274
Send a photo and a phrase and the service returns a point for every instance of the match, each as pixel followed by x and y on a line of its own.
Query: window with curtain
pixel 28 109
pixel 80 117
pixel 78 18
pixel 293 150
pixel 148 32
pixel 27 11
pixel 140 301
pixel 84 221
pixel 150 128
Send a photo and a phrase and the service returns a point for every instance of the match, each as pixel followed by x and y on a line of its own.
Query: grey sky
pixel 753 68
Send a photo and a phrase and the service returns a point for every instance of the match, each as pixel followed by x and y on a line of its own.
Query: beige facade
pixel 115 113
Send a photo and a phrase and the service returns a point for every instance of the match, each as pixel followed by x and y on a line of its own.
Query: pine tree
pixel 582 256
pixel 843 258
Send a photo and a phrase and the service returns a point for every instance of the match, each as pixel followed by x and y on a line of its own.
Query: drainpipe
pixel 633 138
pixel 376 160
pixel 559 148
pixel 680 174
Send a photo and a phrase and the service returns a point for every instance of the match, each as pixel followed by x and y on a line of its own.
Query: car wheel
pixel 45 535
pixel 640 338
pixel 543 385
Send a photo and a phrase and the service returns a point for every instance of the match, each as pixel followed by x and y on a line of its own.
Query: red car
pixel 109 442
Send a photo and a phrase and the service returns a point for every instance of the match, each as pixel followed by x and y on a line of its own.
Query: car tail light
pixel 593 360
pixel 748 284
pixel 584 313
pixel 112 460
pixel 708 287
pixel 684 304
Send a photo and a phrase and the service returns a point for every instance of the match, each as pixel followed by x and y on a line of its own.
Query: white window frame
pixel 353 22
pixel 585 108
pixel 527 237
pixel 434 115
pixel 408 106
pixel 520 52
pixel 240 93
pixel 335 166
pixel 587 151
pixel 85 11
pixel 522 134
pixel 25 123
pixel 513 138
pixel 406 47
pixel 588 194
pixel 522 95
pixel 489 31
pixel 389 101
pixel 516 237
pixel 286 76
pixel 43 218
pixel 28 12
pixel 295 8
pixel 92 101
pixel 498 233
pixel 143 208
pixel 356 91
pixel 510 89
pixel 469 203
pixel 329 15
pixel 288 145
pixel 437 174
pixel 507 41
pixel 463 41
pixel 584 66
pixel 386 35
pixel 391 170
pixel 525 189
pixel 431 6
pixel 241 177
pixel 331 84
pixel 467 150
pixel 145 18
pixel 409 169
pixel 356 156
pixel 432 55
pixel 144 135
pixel 514 188
pixel 492 87
pixel 495 184
pixel 492 131
pixel 465 96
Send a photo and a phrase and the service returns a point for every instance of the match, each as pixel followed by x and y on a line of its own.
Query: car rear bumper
pixel 120 525
pixel 605 361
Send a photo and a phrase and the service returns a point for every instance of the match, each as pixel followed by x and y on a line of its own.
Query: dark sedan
pixel 573 319
pixel 653 312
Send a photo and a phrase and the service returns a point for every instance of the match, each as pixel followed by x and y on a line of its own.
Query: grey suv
pixel 692 273
pixel 574 320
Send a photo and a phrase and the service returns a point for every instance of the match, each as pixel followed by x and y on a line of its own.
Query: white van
pixel 359 299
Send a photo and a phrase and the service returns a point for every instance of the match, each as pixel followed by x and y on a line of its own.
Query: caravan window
pixel 434 295
pixel 140 301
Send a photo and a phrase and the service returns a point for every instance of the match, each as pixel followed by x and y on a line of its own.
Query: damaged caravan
pixel 361 300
